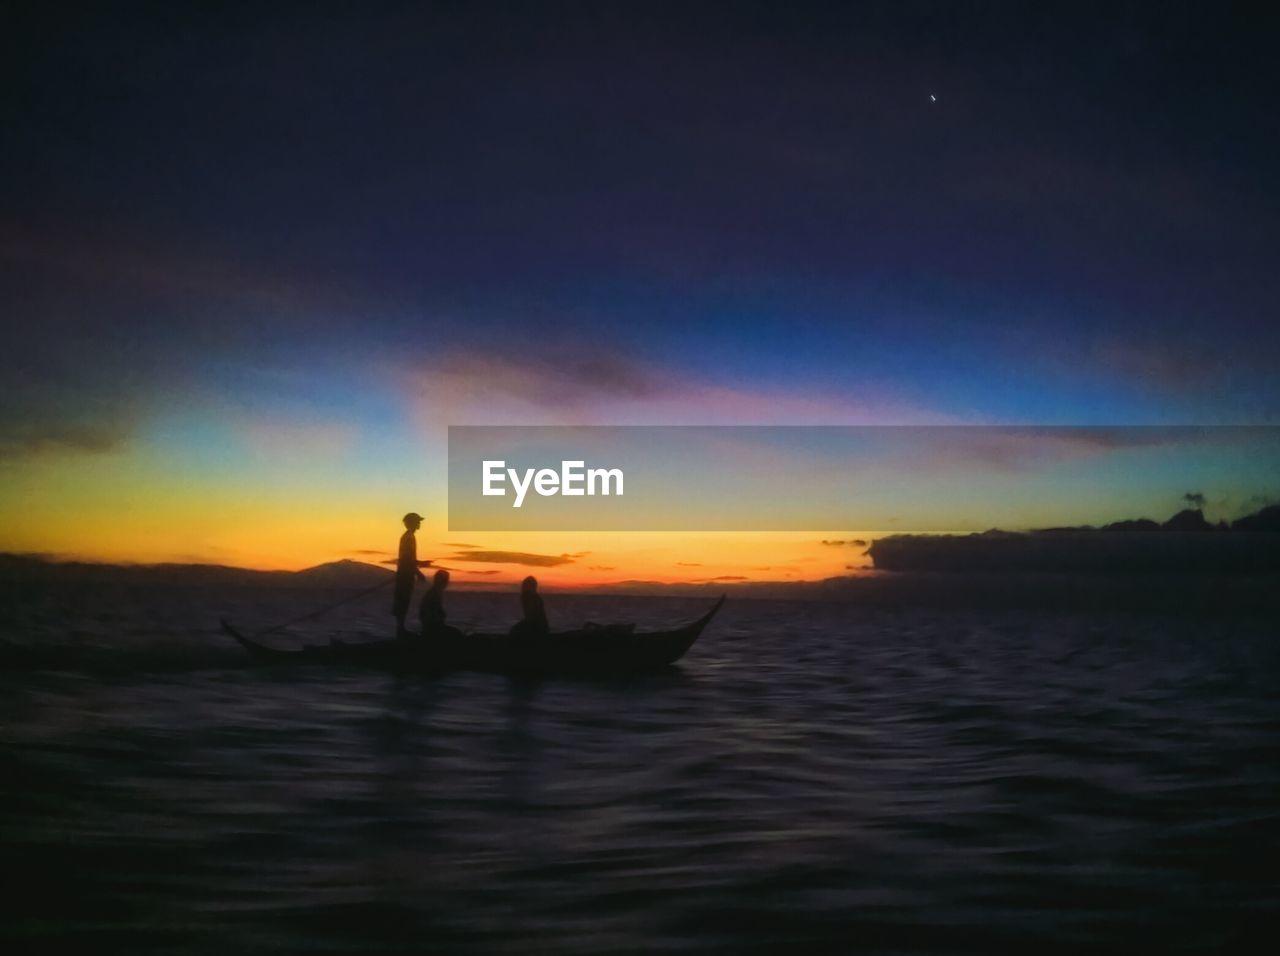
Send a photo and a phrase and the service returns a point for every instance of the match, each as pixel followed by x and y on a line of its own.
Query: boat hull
pixel 599 650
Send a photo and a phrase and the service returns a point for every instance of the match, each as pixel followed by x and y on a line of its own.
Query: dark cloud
pixel 99 337
pixel 513 557
pixel 43 434
pixel 1023 448
pixel 71 384
pixel 1188 365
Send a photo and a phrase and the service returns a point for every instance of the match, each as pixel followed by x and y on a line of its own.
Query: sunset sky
pixel 255 261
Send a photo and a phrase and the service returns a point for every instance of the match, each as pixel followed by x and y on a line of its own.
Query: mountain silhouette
pixel 334 574
pixel 1189 519
pixel 1268 519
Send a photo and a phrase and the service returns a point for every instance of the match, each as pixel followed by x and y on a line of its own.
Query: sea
pixel 811 777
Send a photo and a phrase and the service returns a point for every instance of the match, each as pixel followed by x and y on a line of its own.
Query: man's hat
pixel 411 516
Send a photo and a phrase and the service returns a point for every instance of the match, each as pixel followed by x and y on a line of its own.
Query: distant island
pixel 1186 543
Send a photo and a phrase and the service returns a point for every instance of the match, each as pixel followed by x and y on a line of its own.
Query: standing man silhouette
pixel 406 570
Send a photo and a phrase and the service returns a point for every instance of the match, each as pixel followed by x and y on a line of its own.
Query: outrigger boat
pixel 608 649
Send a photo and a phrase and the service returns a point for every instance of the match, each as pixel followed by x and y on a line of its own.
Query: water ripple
pixel 812 777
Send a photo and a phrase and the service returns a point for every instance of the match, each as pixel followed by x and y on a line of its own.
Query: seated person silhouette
pixel 431 611
pixel 534 623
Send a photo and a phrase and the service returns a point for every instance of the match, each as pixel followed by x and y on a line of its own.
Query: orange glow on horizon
pixel 138 507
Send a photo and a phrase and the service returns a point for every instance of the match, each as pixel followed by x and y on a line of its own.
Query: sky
pixel 255 259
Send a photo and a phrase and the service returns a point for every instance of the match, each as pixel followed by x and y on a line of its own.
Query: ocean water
pixel 812 777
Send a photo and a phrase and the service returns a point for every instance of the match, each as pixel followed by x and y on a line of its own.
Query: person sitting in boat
pixel 431 610
pixel 407 569
pixel 534 623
